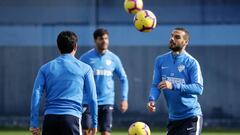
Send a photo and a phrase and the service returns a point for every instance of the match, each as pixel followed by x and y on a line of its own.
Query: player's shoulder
pixel 191 60
pixel 48 64
pixel 112 55
pixel 163 56
pixel 190 57
pixel 84 65
pixel 87 54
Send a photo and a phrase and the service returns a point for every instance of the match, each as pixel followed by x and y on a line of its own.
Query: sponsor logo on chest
pixel 103 72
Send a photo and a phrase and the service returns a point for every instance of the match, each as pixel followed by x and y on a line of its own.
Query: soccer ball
pixel 145 21
pixel 139 128
pixel 133 6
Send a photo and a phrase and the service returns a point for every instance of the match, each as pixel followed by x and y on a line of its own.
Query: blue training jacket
pixel 104 66
pixel 184 72
pixel 63 81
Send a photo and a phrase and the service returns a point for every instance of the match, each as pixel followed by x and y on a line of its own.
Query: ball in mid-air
pixel 145 21
pixel 133 6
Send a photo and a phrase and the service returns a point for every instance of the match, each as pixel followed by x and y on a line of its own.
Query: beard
pixel 175 47
pixel 103 47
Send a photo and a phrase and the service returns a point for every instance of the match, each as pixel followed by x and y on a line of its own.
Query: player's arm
pixel 90 87
pixel 196 85
pixel 38 88
pixel 124 85
pixel 154 91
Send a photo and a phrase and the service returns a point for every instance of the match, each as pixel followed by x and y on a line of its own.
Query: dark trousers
pixel 189 126
pixel 61 125
pixel 105 113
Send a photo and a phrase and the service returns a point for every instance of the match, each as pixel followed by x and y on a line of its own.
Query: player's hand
pixel 35 131
pixel 92 131
pixel 151 106
pixel 123 106
pixel 165 85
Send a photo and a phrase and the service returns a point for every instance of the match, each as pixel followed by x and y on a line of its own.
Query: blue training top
pixel 184 72
pixel 63 81
pixel 104 66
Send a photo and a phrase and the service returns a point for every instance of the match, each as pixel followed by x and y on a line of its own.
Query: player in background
pixel 104 64
pixel 178 76
pixel 62 81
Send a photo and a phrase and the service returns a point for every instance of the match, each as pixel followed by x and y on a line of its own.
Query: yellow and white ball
pixel 139 128
pixel 145 21
pixel 133 6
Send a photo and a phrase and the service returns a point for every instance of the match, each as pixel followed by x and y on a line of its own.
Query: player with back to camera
pixel 63 81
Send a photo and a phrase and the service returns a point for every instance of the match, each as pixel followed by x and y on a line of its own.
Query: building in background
pixel 28 30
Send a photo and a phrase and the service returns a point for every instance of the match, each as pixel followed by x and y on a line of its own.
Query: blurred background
pixel 28 31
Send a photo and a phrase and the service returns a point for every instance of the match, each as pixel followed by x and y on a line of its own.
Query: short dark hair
pixel 187 36
pixel 66 41
pixel 99 32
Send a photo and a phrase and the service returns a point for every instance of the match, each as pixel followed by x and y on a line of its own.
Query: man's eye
pixel 177 37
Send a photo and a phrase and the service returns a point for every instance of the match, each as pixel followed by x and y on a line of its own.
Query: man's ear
pixel 75 46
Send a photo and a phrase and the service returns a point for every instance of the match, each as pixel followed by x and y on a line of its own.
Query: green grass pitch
pixel 22 132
